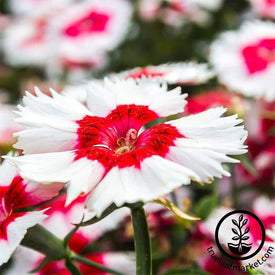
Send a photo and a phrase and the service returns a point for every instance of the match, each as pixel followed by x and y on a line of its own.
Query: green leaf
pixel 247 164
pixel 189 271
pixel 205 206
pixel 40 239
pixel 72 268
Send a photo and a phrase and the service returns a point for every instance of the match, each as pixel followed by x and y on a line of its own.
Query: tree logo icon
pixel 235 234
pixel 241 247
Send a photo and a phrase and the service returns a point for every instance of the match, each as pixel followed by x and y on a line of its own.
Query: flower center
pixel 126 144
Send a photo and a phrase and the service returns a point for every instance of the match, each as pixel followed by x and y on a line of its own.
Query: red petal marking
pixel 258 56
pixel 98 258
pixel 53 268
pixel 91 23
pixel 95 130
pixel 146 72
pixel 132 116
pixel 159 138
pixel 154 141
pixel 17 197
pixel 78 242
pixel 39 35
pixel 75 64
pixel 102 155
pixel 5 223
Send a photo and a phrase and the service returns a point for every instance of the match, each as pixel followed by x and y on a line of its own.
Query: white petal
pixel 58 112
pixel 146 92
pixel 156 177
pixel 173 73
pixel 123 262
pixel 16 231
pixel 24 260
pixel 7 172
pixel 82 175
pixel 208 138
pixel 45 139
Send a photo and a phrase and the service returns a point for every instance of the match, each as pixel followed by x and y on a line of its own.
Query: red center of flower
pixel 147 72
pixel 92 22
pixel 114 140
pixel 259 56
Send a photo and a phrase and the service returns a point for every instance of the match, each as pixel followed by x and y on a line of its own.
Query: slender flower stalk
pixel 142 242
pixel 83 260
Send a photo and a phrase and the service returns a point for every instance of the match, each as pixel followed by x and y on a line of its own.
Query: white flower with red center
pixel 87 29
pixel 188 73
pixel 102 148
pixel 245 59
pixel 16 193
pixel 41 7
pixel 264 8
pixel 25 42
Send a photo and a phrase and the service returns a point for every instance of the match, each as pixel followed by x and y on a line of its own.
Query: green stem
pixel 83 260
pixel 142 242
pixel 234 191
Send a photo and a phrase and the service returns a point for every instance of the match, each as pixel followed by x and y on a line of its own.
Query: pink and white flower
pixel 16 193
pixel 244 59
pixel 264 8
pixel 102 148
pixel 188 73
pixel 178 12
pixel 25 42
pixel 88 29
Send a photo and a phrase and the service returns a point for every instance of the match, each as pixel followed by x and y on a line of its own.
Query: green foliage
pixel 205 206
pixel 189 271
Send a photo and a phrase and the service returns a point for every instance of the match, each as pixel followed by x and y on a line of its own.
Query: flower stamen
pixel 126 144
